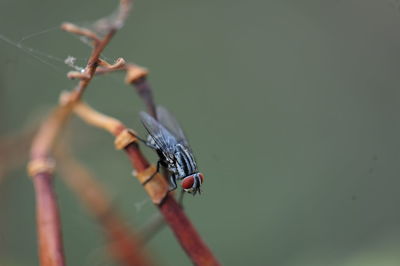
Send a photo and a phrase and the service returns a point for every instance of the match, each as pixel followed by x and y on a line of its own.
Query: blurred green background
pixel 291 108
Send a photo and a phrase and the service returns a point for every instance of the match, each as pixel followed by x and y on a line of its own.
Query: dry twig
pixel 41 165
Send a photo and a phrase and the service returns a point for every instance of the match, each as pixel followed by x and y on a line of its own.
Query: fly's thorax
pixel 185 162
pixel 172 169
pixel 168 160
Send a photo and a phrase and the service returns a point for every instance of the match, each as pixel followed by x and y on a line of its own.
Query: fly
pixel 166 137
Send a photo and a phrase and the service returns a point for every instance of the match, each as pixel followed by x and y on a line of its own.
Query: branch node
pixel 40 165
pixel 135 73
pixel 155 185
pixel 126 137
pixel 66 98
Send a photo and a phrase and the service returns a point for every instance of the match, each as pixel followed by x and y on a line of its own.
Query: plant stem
pixel 176 218
pixel 40 166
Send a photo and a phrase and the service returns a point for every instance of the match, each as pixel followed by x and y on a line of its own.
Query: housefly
pixel 167 138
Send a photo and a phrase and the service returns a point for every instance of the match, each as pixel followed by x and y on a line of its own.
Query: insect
pixel 166 137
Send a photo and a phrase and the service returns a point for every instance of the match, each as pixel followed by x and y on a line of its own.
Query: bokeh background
pixel 292 109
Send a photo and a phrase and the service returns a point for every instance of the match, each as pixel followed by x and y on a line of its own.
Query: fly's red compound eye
pixel 188 182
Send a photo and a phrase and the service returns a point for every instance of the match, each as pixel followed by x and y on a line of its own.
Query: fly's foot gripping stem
pixel 156 172
pixel 172 185
pixel 154 183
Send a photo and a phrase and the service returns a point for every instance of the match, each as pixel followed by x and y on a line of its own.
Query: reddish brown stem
pixel 155 186
pixel 137 159
pixel 40 167
pixel 174 215
pixel 185 232
pixel 48 222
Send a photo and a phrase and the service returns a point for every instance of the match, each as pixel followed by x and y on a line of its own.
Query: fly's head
pixel 192 183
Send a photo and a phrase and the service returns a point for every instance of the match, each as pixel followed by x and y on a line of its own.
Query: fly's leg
pixel 151 177
pixel 141 140
pixel 180 200
pixel 145 142
pixel 172 182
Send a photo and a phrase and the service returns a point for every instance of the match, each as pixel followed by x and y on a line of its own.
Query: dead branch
pixel 41 165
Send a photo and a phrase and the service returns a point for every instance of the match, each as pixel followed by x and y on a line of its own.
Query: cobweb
pixel 61 64
pixel 65 61
pixel 56 63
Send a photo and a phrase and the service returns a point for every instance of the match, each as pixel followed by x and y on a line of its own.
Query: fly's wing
pixel 169 122
pixel 162 137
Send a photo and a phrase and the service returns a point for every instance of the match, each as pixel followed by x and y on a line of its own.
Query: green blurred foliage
pixel 291 108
